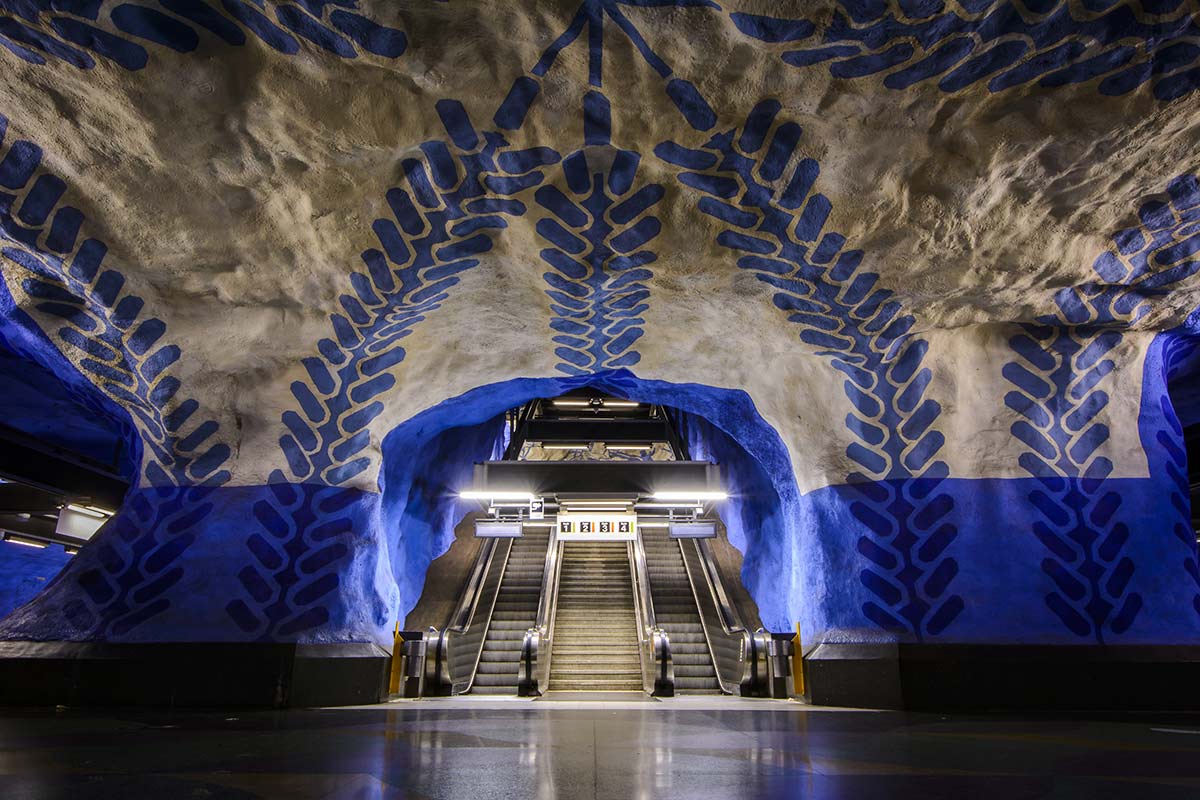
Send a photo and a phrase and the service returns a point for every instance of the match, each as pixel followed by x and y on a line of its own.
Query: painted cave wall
pixel 920 276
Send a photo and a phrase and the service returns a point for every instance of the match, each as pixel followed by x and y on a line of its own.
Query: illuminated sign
pixel 693 530
pixel 493 529
pixel 597 527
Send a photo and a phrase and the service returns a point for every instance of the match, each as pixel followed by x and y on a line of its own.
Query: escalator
pixel 515 612
pixel 651 615
pixel 595 631
pixel 581 585
pixel 676 613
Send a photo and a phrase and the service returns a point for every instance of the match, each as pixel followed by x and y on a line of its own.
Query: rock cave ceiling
pixel 272 231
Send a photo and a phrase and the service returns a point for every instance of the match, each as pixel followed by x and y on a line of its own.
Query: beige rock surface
pixel 236 189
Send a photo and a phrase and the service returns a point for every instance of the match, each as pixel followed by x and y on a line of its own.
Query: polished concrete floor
pixel 577 751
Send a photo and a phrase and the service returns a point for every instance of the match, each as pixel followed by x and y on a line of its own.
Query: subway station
pixel 599 399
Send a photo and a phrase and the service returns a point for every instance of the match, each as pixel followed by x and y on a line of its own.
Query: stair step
pixel 676 613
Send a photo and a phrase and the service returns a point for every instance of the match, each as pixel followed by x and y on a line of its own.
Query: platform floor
pixel 583 750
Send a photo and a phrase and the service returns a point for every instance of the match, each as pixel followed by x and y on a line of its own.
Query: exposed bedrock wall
pixel 248 563
pixel 25 571
pixel 302 562
pixel 933 263
pixel 1067 554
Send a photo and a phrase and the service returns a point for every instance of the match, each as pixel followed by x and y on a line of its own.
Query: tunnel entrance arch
pixel 428 458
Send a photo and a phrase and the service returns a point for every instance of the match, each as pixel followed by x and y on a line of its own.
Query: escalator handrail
pixel 459 619
pixel 711 588
pixel 755 673
pixel 465 610
pixel 658 668
pixel 731 620
pixel 470 617
pixel 535 648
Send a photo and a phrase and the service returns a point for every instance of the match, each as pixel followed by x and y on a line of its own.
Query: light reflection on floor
pixel 693 748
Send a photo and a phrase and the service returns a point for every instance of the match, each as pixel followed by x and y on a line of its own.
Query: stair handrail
pixel 722 623
pixel 463 636
pixel 654 650
pixel 533 675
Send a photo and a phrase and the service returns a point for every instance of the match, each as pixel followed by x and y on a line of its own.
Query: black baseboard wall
pixel 917 677
pixel 929 677
pixel 191 674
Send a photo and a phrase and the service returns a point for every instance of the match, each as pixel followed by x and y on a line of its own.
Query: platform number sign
pixel 596 527
pixel 537 508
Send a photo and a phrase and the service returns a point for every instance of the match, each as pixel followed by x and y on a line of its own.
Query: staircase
pixel 676 613
pixel 516 612
pixel 595 641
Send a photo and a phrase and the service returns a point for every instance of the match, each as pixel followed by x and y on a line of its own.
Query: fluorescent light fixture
pixel 697 496
pixel 99 510
pixel 595 510
pixel 653 524
pixel 528 524
pixel 26 542
pixel 621 404
pixel 87 511
pixel 692 504
pixel 638 448
pixel 524 497
pixel 70 550
pixel 572 403
pixel 621 503
pixel 580 446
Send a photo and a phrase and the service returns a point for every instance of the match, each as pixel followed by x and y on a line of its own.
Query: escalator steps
pixel 676 613
pixel 514 614
pixel 595 643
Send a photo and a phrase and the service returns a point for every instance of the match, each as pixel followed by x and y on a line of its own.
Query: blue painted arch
pixel 430 457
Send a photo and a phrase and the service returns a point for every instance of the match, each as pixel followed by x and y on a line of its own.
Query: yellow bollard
pixel 797 664
pixel 397 663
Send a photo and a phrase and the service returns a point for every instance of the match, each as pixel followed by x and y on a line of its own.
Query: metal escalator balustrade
pixel 676 613
pixel 454 651
pixel 595 645
pixel 514 613
pixel 739 656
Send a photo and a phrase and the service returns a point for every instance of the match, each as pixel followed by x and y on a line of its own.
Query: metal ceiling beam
pixel 29 460
pixel 596 477
pixel 596 430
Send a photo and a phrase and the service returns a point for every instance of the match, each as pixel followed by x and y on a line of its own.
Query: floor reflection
pixel 529 751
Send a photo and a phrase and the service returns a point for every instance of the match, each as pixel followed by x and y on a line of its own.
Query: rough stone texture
pixel 946 252
pixel 25 571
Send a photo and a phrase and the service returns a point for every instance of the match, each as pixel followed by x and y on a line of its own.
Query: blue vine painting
pixel 842 239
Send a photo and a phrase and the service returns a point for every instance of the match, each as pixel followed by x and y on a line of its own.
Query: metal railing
pixel 739 656
pixel 533 675
pixel 460 644
pixel 658 669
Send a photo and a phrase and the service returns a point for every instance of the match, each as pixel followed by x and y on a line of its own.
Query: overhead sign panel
pixel 693 530
pixel 597 527
pixel 488 529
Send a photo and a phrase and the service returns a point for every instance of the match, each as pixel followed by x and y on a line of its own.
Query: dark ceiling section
pixel 34 402
pixel 54 450
pixel 588 415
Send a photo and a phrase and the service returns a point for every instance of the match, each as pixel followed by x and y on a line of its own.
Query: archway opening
pixel 430 458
